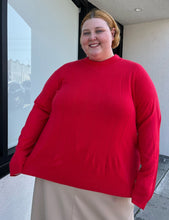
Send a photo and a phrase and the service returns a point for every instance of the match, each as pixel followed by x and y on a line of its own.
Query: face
pixel 96 39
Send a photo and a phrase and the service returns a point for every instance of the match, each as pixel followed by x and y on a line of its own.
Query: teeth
pixel 94 45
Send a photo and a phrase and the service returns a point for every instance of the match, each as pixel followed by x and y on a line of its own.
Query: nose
pixel 92 36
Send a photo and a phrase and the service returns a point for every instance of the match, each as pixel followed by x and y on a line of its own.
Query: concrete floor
pixel 16 197
pixel 158 206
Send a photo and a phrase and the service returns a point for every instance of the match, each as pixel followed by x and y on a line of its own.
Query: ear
pixel 113 31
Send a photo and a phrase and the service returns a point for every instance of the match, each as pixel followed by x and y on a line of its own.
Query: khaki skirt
pixel 53 201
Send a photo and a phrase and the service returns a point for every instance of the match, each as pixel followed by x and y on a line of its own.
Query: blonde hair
pixel 97 13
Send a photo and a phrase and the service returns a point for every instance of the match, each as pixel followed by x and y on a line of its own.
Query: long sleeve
pixel 91 127
pixel 34 125
pixel 148 120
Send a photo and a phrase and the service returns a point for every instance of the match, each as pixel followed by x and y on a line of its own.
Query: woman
pixel 92 137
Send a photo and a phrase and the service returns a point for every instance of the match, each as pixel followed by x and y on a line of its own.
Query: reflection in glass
pixel 19 73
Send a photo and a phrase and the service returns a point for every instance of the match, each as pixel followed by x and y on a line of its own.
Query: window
pixel 19 73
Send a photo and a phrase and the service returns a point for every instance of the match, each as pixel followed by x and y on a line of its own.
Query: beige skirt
pixel 53 201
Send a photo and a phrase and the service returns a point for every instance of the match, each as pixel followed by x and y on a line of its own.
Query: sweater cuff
pixel 16 165
pixel 137 203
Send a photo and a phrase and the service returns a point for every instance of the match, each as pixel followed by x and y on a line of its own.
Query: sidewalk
pixel 158 207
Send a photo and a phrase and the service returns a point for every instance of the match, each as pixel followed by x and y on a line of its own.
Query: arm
pixel 34 125
pixel 148 120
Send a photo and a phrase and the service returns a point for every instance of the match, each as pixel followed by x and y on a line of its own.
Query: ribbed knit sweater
pixel 94 126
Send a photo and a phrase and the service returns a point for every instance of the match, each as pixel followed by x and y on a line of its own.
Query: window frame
pixel 5 153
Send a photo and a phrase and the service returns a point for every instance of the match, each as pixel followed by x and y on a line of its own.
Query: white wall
pixel 54 38
pixel 148 44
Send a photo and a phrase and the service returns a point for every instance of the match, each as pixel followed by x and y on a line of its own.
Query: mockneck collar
pixel 111 60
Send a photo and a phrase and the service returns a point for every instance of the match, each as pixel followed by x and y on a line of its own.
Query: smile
pixel 94 45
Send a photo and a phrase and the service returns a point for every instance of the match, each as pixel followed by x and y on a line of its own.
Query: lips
pixel 94 45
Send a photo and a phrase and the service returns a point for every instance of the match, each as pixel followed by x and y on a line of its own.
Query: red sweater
pixel 91 127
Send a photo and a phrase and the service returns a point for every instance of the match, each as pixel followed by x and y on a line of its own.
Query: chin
pixel 94 56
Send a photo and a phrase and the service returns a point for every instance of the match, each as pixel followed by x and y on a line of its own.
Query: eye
pixel 86 33
pixel 99 31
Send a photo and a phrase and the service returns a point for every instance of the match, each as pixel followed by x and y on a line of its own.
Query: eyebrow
pixel 89 29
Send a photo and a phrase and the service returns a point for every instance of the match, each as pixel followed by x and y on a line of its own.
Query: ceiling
pixel 124 10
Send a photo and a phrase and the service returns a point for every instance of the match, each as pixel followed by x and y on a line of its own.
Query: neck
pixel 99 59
